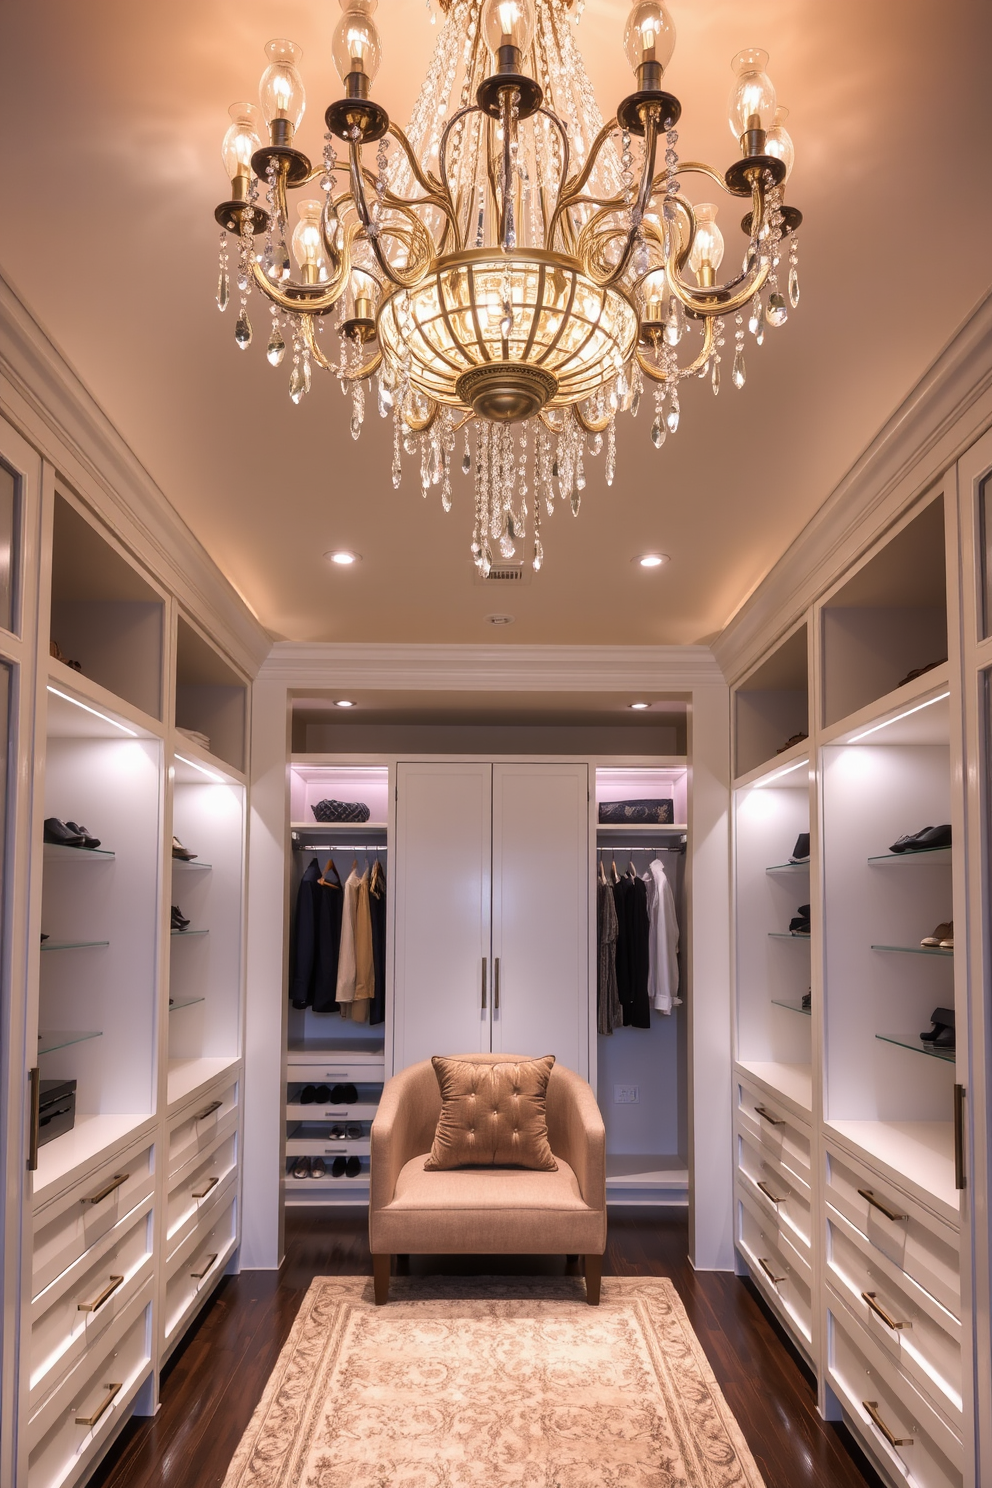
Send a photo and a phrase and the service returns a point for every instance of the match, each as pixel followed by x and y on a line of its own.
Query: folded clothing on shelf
pixel 659 809
pixel 941 1034
pixel 925 840
pixel 800 853
pixel 56 1109
pixel 799 924
pixel 341 811
pixel 195 737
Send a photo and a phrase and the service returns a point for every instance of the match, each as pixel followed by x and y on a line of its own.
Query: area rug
pixel 492 1382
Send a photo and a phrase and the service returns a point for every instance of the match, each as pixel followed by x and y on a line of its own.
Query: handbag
pixel 661 809
pixel 341 811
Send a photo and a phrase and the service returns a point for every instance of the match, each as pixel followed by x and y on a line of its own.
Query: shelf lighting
pixel 771 779
pixel 856 738
pixel 95 711
pixel 217 779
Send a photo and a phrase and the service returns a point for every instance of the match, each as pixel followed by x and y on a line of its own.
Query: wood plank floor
pixel 215 1380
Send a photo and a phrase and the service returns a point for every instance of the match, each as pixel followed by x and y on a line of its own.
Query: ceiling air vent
pixel 503 575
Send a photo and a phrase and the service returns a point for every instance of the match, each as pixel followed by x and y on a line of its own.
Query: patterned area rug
pixel 492 1382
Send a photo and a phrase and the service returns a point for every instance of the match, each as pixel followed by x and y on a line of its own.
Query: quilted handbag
pixel 616 813
pixel 341 811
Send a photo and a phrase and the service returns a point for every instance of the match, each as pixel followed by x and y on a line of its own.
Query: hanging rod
pixel 333 847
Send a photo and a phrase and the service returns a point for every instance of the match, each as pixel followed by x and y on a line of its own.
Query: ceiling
pixel 119 110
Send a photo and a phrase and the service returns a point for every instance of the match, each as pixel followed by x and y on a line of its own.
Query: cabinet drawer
pixel 776 1188
pixel 773 1126
pixel 781 1272
pixel 903 1319
pixel 925 1451
pixel 70 1224
pixel 919 1243
pixel 195 1128
pixel 68 1431
pixel 351 1072
pixel 198 1188
pixel 199 1263
pixel 68 1317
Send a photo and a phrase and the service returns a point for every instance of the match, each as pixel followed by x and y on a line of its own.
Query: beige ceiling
pixel 113 115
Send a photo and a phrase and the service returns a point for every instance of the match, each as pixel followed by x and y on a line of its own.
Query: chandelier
pixel 511 271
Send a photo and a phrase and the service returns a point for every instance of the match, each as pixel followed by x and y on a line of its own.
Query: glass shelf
pixel 189 867
pixel 789 867
pixel 180 1002
pixel 794 1007
pixel 56 850
pixel 947 1055
pixel 72 945
pixel 190 932
pixel 928 855
pixel 62 1038
pixel 786 935
pixel 914 950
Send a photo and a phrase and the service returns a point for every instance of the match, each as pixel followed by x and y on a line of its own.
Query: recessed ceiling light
pixel 343 557
pixel 639 706
pixel 343 703
pixel 650 560
pixel 499 619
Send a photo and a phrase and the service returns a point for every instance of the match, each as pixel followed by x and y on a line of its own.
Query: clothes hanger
pixel 326 883
pixel 602 870
pixel 613 870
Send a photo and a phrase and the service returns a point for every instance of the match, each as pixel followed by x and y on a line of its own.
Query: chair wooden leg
pixel 594 1274
pixel 380 1278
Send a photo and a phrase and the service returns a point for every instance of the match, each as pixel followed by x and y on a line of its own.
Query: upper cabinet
pixel 772 708
pixel 211 698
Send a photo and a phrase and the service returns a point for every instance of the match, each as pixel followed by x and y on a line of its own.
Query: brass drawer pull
pixel 871 1406
pixel 211 1182
pixel 772 1120
pixel 768 1193
pixel 880 1312
pixel 108 1188
pixel 97 1303
pixel 209 1110
pixel 869 1194
pixel 769 1272
pixel 199 1275
pixel 112 1392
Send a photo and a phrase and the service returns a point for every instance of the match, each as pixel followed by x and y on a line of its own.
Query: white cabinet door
pixel 541 877
pixel 442 889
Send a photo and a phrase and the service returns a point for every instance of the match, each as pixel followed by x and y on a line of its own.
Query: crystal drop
pixel 276 349
pixel 658 433
pixel 739 374
pixel 635 402
pixel 466 461
pixel 385 400
pixel 356 426
pixel 242 331
pixel 224 290
pixel 793 287
pixel 297 386
pixel 715 379
pixel 434 469
pixel 597 444
pixel 506 326
pixel 576 500
pixel 554 467
pixel 538 555
pixel 306 374
pixel 777 312
pixel 672 420
pixel 756 320
pixel 409 446
pixel 279 270
pixel 242 282
pixel 487 560
pixel 580 481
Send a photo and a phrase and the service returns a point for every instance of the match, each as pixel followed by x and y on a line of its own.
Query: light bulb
pixel 308 247
pixel 508 23
pixel 707 246
pixel 243 138
pixel 754 93
pixel 650 35
pixel 281 92
pixel 356 47
pixel 778 142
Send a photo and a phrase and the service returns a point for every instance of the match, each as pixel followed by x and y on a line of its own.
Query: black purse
pixel 341 811
pixel 615 813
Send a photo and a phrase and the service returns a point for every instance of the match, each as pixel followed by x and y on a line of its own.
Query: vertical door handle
pixel 34 1093
pixel 959 1178
pixel 496 984
pixel 483 984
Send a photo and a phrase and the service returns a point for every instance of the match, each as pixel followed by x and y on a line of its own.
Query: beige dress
pixel 345 993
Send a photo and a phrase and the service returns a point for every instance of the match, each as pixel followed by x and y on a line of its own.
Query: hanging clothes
pixel 633 934
pixel 330 903
pixel 663 940
pixel 347 968
pixel 304 950
pixel 377 910
pixel 609 1014
pixel 364 968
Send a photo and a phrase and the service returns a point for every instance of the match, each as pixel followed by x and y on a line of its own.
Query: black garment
pixel 377 909
pixel 316 940
pixel 633 950
pixel 330 908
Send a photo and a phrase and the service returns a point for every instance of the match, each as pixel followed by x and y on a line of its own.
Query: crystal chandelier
pixel 511 270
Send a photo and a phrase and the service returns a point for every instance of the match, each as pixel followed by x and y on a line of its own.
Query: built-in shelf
pixel 325 1184
pixel 58 852
pixel 186 866
pixel 189 932
pixel 342 1048
pixel 792 1081
pixel 72 945
pixel 62 1038
pixel 637 829
pixel 339 827
pixel 786 935
pixel 947 1055
pixel 917 1153
pixel 929 855
pixel 646 1172
pixel 322 1116
pixel 789 867
pixel 186 1076
pixel 914 950
pixel 76 1149
pixel 794 1007
pixel 175 1003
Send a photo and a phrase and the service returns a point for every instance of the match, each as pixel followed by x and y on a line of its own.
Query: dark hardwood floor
pixel 215 1380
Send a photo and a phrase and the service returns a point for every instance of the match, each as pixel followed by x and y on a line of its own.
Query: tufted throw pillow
pixel 492 1115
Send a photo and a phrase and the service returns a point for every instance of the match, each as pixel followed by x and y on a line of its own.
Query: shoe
pixel 943 936
pixel 353 1167
pixel 307 1095
pixel 344 1095
pixel 179 921
pixel 799 924
pixel 943 1024
pixel 796 739
pixel 318 1167
pixel 338 1167
pixel 800 853
pixel 321 1095
pixel 336 1134
pixel 919 671
pixel 944 1039
pixel 178 851
pixel 807 1000
pixel 301 1168
pixel 88 839
pixel 44 937
pixel 54 649
pixel 925 840
pixel 353 1131
pixel 58 832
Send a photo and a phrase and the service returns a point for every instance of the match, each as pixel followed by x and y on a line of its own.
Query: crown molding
pixel 946 411
pixel 301 665
pixel 48 403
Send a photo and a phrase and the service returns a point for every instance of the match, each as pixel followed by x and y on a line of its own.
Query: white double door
pixel 490 878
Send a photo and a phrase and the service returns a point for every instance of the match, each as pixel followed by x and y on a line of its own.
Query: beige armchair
pixel 486 1211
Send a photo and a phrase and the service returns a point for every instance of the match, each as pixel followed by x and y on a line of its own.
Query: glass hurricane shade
pixel 280 91
pixel 650 35
pixel 308 249
pixel 509 23
pixel 356 46
pixel 753 93
pixel 707 245
pixel 243 138
pixel 778 141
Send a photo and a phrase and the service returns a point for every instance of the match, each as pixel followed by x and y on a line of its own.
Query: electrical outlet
pixel 625 1095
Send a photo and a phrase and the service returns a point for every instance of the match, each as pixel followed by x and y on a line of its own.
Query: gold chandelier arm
pixel 354 374
pixel 591 425
pixel 723 299
pixel 312 299
pixel 438 193
pixel 420 426
pixel 650 369
pixel 442 161
pixel 549 423
pixel 422 255
pixel 570 193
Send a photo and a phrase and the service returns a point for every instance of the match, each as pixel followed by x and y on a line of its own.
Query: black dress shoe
pixel 318 1168
pixel 353 1167
pixel 322 1095
pixel 336 1133
pixel 307 1095
pixel 179 920
pixel 807 1001
pixel 907 843
pixel 57 832
pixel 933 837
pixel 919 671
pixel 799 924
pixel 353 1131
pixel 301 1168
pixel 943 1021
pixel 88 839
pixel 800 853
pixel 338 1167
pixel 344 1095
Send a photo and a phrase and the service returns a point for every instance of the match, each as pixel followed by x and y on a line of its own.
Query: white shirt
pixel 663 941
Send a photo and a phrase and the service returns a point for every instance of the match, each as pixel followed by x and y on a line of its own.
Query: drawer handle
pixel 112 1392
pixel 871 1406
pixel 769 1272
pixel 108 1188
pixel 34 1089
pixel 768 1193
pixel 772 1120
pixel 199 1275
pixel 97 1303
pixel 880 1312
pixel 211 1182
pixel 869 1194
pixel 209 1110
pixel 959 1177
